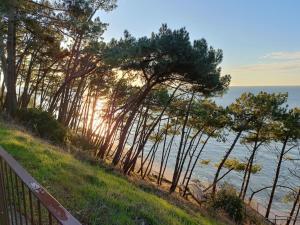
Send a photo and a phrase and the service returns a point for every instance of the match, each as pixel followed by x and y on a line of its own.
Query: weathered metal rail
pixel 23 201
pixel 273 217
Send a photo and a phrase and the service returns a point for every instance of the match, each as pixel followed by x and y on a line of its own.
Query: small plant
pixel 43 124
pixel 205 161
pixel 238 166
pixel 81 142
pixel 228 200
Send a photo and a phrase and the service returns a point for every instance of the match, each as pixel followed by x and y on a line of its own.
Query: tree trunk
pixel 4 69
pixel 168 150
pixel 176 174
pixel 11 96
pixel 124 131
pixel 123 135
pixel 2 96
pixel 276 177
pixel 293 208
pixel 194 165
pixel 25 97
pixel 214 186
pixel 249 171
pixel 113 128
pixel 163 154
pixel 297 213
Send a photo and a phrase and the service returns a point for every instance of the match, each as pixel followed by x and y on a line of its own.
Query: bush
pixel 81 142
pixel 43 124
pixel 227 200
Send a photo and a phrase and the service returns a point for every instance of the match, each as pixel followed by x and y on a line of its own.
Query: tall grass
pixel 92 193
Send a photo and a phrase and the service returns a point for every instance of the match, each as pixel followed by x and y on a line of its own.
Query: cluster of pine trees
pixel 132 93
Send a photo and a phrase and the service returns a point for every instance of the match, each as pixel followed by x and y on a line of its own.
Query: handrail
pixel 274 218
pixel 9 184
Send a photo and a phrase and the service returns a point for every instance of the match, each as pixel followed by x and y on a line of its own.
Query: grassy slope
pixel 93 194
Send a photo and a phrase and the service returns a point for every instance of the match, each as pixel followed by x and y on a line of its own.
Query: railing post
pixel 4 218
pixel 36 193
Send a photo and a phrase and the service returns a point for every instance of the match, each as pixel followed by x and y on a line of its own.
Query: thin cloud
pixel 273 62
pixel 285 66
pixel 277 68
pixel 283 55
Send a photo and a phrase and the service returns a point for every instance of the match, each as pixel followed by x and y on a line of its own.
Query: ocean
pixel 235 91
pixel 266 157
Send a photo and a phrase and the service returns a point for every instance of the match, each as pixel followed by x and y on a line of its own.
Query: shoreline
pixel 259 208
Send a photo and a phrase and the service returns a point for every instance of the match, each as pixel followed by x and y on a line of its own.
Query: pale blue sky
pixel 260 38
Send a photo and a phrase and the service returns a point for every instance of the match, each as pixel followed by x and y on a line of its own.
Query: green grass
pixel 92 193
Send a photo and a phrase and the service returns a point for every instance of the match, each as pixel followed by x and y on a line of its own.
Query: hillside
pixel 94 194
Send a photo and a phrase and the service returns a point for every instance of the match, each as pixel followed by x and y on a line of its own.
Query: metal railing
pixel 23 201
pixel 278 220
pixel 273 217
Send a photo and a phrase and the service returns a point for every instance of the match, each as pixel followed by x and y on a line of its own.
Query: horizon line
pixel 287 85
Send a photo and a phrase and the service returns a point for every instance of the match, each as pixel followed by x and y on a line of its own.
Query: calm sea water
pixel 266 157
pixel 235 92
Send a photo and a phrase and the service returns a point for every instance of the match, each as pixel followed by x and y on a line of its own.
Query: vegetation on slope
pixel 92 193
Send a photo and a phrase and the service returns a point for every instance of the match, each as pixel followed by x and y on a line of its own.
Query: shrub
pixel 227 200
pixel 43 124
pixel 81 142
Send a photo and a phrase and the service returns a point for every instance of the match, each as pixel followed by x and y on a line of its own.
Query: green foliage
pixel 169 55
pixel 251 111
pixel 256 168
pixel 287 125
pixel 289 197
pixel 207 114
pixel 205 161
pixel 81 142
pixel 228 200
pixel 43 124
pixel 288 157
pixel 159 97
pixel 94 194
pixel 237 165
pixel 79 16
pixel 156 137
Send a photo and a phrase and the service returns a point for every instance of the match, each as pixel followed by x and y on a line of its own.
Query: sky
pixel 260 39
